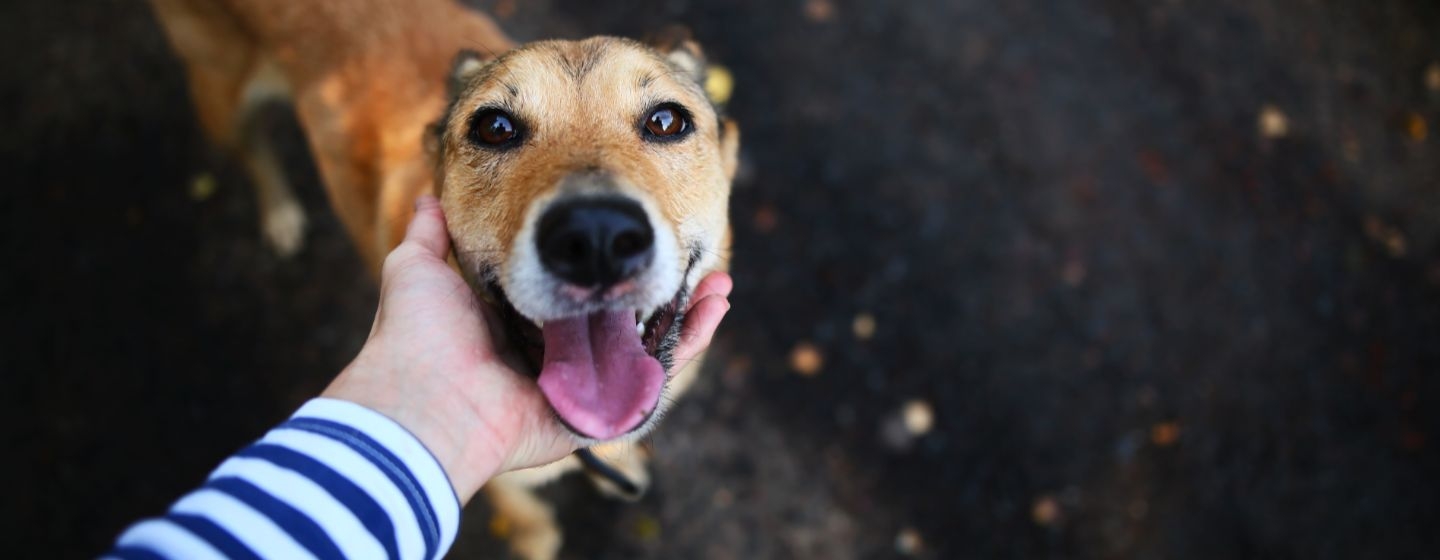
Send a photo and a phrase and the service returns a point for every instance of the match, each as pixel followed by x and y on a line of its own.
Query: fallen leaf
pixel 1165 434
pixel 647 528
pixel 1046 511
pixel 719 84
pixel 1416 126
pixel 765 219
pixel 819 10
pixel 806 359
pixel 202 187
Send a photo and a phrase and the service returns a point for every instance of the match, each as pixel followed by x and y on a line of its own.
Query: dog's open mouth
pixel 603 373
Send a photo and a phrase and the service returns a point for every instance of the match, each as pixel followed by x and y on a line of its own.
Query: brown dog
pixel 585 184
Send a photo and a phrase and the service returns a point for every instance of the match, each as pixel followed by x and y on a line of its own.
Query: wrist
pixel 468 450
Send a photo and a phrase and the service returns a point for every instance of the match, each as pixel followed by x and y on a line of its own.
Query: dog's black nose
pixel 595 242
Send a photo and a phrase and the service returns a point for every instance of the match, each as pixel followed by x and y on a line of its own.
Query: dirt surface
pixel 1165 275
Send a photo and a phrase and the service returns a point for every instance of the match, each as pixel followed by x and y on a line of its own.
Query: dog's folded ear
pixel 466 65
pixel 681 50
pixel 676 43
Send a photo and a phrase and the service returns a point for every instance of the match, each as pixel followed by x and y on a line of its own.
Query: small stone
pixel 1388 236
pixel 765 219
pixel 819 10
pixel 737 370
pixel 1148 396
pixel 1046 511
pixel 806 359
pixel 504 9
pixel 1273 123
pixel 1351 149
pixel 908 541
pixel 919 417
pixel 1138 509
pixel 202 187
pixel 863 326
pixel 1073 273
pixel 1416 127
pixel 722 498
pixel 1165 434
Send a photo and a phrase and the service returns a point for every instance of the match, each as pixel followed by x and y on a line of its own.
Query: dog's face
pixel 586 187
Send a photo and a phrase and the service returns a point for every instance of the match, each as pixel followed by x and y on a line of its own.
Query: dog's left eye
pixel 493 127
pixel 667 122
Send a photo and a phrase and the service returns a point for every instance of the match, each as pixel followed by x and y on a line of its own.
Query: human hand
pixel 437 363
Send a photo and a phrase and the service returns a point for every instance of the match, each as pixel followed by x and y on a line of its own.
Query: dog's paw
pixel 284 228
pixel 536 542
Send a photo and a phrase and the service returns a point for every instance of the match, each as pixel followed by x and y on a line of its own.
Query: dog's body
pixel 583 182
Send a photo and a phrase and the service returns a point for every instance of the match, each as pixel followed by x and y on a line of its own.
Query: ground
pixel 1164 274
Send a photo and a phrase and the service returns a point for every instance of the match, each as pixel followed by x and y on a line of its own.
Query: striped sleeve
pixel 337 480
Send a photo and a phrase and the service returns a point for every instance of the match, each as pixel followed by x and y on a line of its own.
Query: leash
pixel 599 467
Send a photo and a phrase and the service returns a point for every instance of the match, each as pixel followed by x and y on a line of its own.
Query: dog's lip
pixel 525 334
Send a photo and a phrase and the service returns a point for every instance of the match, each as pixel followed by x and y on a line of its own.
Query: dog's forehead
pixel 584 76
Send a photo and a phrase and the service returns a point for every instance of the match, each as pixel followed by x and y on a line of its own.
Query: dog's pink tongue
pixel 597 375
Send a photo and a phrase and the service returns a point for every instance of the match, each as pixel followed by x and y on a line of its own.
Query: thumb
pixel 427 228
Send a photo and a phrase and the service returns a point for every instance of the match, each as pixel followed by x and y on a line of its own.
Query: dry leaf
pixel 1165 434
pixel 806 359
pixel 1046 511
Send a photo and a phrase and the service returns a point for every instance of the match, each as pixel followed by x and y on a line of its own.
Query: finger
pixel 715 283
pixel 700 324
pixel 427 228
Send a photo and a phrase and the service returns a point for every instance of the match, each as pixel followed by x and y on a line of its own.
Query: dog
pixel 585 184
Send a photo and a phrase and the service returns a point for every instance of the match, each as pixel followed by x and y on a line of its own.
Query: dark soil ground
pixel 1149 325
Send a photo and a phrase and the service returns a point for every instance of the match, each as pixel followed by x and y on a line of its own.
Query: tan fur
pixel 367 78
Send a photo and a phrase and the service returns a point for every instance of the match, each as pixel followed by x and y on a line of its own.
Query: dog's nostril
pixel 629 243
pixel 575 247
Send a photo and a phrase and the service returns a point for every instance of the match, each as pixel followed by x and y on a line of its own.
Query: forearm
pixel 336 480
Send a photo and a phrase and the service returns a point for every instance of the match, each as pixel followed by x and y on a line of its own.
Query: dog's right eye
pixel 494 128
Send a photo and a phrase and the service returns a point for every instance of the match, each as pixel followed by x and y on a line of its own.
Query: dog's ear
pixel 463 69
pixel 466 66
pixel 729 146
pixel 681 50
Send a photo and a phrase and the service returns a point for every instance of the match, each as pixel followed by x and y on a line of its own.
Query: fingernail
pixel 727 304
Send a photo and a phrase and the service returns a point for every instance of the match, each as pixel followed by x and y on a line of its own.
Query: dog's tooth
pixel 640 329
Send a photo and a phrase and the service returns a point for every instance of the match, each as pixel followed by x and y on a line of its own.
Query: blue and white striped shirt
pixel 337 480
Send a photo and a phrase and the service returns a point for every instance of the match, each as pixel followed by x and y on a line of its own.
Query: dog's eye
pixel 667 122
pixel 494 128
